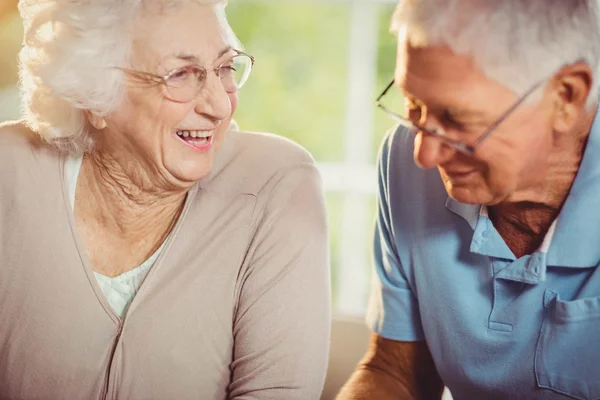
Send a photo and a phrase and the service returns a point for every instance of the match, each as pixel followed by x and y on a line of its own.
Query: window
pixel 11 34
pixel 319 67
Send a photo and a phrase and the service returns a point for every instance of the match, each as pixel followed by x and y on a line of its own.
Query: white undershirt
pixel 120 290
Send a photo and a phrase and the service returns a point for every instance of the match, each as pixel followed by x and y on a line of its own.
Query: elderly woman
pixel 148 249
pixel 487 276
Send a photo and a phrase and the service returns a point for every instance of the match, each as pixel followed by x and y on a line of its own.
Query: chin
pixel 463 197
pixel 474 196
pixel 468 195
pixel 191 171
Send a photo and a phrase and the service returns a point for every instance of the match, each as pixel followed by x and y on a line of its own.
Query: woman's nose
pixel 213 100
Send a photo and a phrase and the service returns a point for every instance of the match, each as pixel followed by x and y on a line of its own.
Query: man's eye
pixel 451 122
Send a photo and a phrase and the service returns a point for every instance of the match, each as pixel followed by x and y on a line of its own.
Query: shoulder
pixel 16 134
pixel 397 148
pixel 252 161
pixel 395 162
pixel 17 137
pixel 276 151
pixel 27 163
pixel 18 142
pixel 23 151
pixel 401 182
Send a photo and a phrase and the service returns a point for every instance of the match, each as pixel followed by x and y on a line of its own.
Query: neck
pixel 524 223
pixel 122 199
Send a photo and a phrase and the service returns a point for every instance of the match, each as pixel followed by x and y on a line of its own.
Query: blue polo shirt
pixel 497 327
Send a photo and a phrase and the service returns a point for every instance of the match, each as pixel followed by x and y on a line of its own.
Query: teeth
pixel 195 134
pixel 203 134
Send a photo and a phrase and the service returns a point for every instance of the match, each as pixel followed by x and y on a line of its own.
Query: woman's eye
pixel 228 68
pixel 180 75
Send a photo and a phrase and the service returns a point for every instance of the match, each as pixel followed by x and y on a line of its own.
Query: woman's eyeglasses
pixel 184 84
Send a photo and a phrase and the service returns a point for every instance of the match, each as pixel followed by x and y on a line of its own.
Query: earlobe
pixel 101 124
pixel 96 121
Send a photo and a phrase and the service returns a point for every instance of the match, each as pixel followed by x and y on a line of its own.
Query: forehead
pixel 436 75
pixel 191 28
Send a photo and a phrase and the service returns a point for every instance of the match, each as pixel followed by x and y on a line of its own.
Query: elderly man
pixel 487 251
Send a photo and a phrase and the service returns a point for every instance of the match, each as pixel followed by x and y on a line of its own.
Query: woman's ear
pixel 573 86
pixel 97 122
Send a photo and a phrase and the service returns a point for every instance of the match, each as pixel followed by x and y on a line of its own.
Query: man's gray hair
pixel 68 58
pixel 515 42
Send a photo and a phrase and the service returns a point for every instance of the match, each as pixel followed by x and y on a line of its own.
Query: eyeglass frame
pixel 162 80
pixel 458 145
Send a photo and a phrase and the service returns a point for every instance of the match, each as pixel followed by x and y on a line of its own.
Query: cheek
pixel 521 165
pixel 534 164
pixel 500 164
pixel 536 150
pixel 156 114
pixel 171 114
pixel 233 99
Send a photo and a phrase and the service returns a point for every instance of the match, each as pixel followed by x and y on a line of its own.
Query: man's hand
pixel 394 370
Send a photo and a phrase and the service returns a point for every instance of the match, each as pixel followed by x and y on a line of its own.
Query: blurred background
pixel 320 64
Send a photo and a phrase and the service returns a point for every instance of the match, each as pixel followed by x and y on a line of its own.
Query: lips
pixel 454 175
pixel 198 140
pixel 194 133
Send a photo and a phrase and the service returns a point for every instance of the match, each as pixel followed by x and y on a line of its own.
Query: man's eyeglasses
pixel 184 84
pixel 468 149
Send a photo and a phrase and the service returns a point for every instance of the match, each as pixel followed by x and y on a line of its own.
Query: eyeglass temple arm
pixel 384 92
pixel 155 78
pixel 489 130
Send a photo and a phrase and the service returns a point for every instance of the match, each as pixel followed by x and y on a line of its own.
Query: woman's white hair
pixel 515 42
pixel 67 62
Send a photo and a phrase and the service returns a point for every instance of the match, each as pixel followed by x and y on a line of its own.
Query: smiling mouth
pixel 193 134
pixel 459 174
pixel 198 139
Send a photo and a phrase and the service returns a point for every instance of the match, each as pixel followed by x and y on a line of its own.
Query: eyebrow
pixel 462 114
pixel 193 59
pixel 224 51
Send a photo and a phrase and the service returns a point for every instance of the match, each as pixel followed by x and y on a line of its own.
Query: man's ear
pixel 572 87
